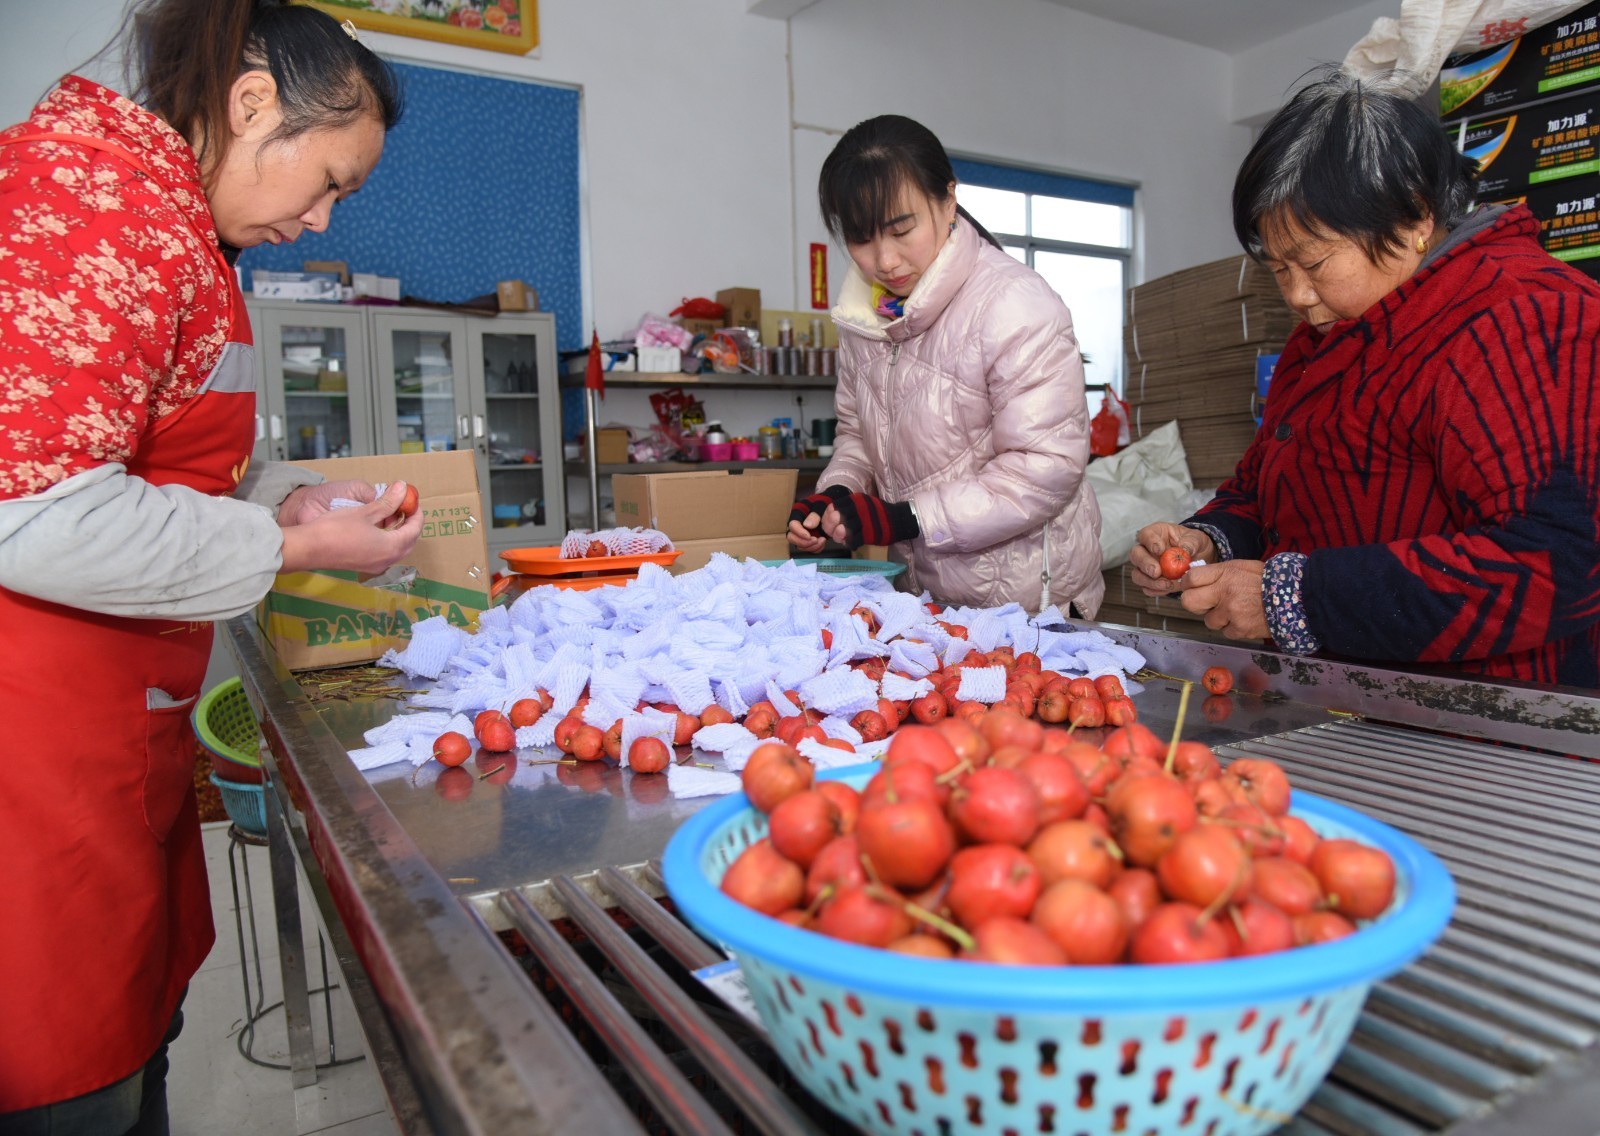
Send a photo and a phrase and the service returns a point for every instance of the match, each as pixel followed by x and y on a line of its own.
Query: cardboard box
pixel 1534 146
pixel 1549 61
pixel 516 296
pixel 611 445
pixel 338 267
pixel 333 618
pixel 713 504
pixel 697 553
pixel 701 326
pixel 743 304
pixel 1569 221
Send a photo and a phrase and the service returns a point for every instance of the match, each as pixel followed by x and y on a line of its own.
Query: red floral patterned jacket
pixel 1430 472
pixel 111 309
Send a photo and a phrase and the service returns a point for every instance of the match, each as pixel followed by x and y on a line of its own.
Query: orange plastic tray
pixel 573 583
pixel 548 562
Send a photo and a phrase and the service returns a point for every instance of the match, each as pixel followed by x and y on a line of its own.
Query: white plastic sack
pixel 1429 30
pixel 1148 481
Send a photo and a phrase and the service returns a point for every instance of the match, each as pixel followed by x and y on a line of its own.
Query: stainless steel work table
pixel 413 877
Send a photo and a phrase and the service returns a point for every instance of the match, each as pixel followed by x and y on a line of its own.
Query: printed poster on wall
pixel 495 25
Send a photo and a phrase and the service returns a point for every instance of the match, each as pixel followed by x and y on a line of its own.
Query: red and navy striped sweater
pixel 1438 460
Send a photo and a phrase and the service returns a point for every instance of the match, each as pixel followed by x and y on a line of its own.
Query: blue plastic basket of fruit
pixel 900 1044
pixel 845 566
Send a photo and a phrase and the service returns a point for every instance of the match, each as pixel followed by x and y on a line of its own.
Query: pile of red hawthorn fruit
pixel 1030 690
pixel 994 838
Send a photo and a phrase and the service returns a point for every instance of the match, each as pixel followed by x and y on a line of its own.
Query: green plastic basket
pixel 227 727
pixel 843 566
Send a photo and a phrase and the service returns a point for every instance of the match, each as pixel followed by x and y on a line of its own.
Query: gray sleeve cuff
pixel 268 483
pixel 106 542
pixel 1281 601
pixel 1218 538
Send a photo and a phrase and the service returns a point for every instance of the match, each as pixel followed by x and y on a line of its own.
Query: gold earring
pixel 1422 244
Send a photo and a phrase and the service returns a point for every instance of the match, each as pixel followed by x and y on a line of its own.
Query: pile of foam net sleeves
pixel 731 634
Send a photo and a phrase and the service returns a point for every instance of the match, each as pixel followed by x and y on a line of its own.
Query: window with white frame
pixel 1076 233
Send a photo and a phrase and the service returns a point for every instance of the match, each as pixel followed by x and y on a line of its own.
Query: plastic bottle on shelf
pixel 319 443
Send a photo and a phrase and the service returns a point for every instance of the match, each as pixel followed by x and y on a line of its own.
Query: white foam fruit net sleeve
pixel 982 684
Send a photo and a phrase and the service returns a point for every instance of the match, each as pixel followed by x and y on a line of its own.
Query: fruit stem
pixel 1239 877
pixel 1177 727
pixel 816 904
pixel 943 926
pixel 1245 826
pixel 491 772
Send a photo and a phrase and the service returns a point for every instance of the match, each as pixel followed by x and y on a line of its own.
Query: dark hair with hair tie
pixel 862 178
pixel 185 55
pixel 1351 157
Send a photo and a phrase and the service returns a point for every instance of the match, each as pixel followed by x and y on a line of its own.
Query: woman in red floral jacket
pixel 1425 484
pixel 130 517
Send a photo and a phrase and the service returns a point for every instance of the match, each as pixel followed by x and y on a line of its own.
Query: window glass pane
pixel 1083 222
pixel 1092 288
pixel 998 210
pixel 1017 252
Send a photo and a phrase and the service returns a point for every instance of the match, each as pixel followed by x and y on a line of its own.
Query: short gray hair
pixel 1354 157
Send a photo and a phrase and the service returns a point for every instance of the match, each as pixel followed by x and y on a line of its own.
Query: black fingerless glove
pixel 817 503
pixel 872 520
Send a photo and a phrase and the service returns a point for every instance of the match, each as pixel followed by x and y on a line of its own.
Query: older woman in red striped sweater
pixel 1425 484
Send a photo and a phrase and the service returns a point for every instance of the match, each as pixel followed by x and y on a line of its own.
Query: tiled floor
pixel 212 1089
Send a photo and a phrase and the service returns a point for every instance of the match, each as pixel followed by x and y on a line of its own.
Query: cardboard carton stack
pixel 1529 112
pixel 1191 341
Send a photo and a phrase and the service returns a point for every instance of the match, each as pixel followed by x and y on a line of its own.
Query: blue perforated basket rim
pixel 844 566
pixel 1374 952
pixel 237 798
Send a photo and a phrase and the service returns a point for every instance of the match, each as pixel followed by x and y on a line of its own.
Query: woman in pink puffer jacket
pixel 963 428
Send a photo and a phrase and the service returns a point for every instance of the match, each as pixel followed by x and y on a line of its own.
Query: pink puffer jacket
pixel 971 406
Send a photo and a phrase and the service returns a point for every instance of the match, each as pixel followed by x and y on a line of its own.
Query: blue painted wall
pixel 478 184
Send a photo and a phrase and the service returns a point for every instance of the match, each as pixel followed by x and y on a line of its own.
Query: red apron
pixel 105 913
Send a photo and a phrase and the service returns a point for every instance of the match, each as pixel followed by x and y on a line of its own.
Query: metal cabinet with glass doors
pixel 418 381
pixel 314 397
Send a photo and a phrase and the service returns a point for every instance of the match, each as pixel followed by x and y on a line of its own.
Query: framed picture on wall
pixel 495 25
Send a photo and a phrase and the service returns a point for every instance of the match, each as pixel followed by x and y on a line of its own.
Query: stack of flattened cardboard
pixel 1192 339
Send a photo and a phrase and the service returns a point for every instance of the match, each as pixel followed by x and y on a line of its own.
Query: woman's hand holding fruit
pixel 1155 539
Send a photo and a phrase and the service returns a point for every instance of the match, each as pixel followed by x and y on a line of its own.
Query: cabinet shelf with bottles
pixel 590 473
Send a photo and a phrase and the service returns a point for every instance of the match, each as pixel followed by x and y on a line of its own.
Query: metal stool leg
pixel 255 1008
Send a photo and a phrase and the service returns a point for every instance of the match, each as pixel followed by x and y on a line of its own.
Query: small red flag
pixel 594 376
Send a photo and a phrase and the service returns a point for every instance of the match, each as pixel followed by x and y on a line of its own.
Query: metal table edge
pixel 1557 719
pixel 449 1020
